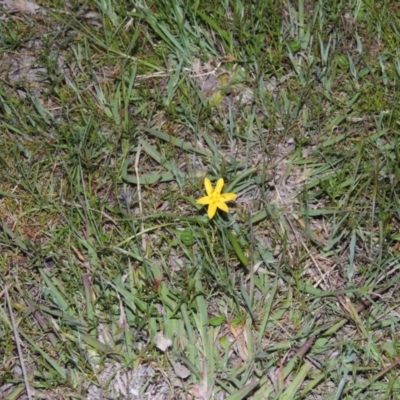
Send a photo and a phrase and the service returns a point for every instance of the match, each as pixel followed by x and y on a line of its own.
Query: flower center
pixel 215 198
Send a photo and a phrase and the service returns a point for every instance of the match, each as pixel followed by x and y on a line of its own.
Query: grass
pixel 114 282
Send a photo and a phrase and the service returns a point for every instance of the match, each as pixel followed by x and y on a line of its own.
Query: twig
pixel 18 343
pixel 137 158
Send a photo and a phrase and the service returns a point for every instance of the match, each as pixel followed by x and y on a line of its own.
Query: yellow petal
pixel 212 209
pixel 220 185
pixel 221 205
pixel 207 184
pixel 203 200
pixel 229 196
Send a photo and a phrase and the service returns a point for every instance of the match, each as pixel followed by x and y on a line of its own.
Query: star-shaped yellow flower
pixel 215 199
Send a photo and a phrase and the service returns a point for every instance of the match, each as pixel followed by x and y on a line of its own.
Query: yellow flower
pixel 215 199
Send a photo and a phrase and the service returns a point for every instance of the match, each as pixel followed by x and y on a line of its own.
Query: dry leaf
pixel 161 342
pixel 180 370
pixel 20 6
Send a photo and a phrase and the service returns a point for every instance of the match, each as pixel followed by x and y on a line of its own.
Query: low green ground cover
pixel 115 283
